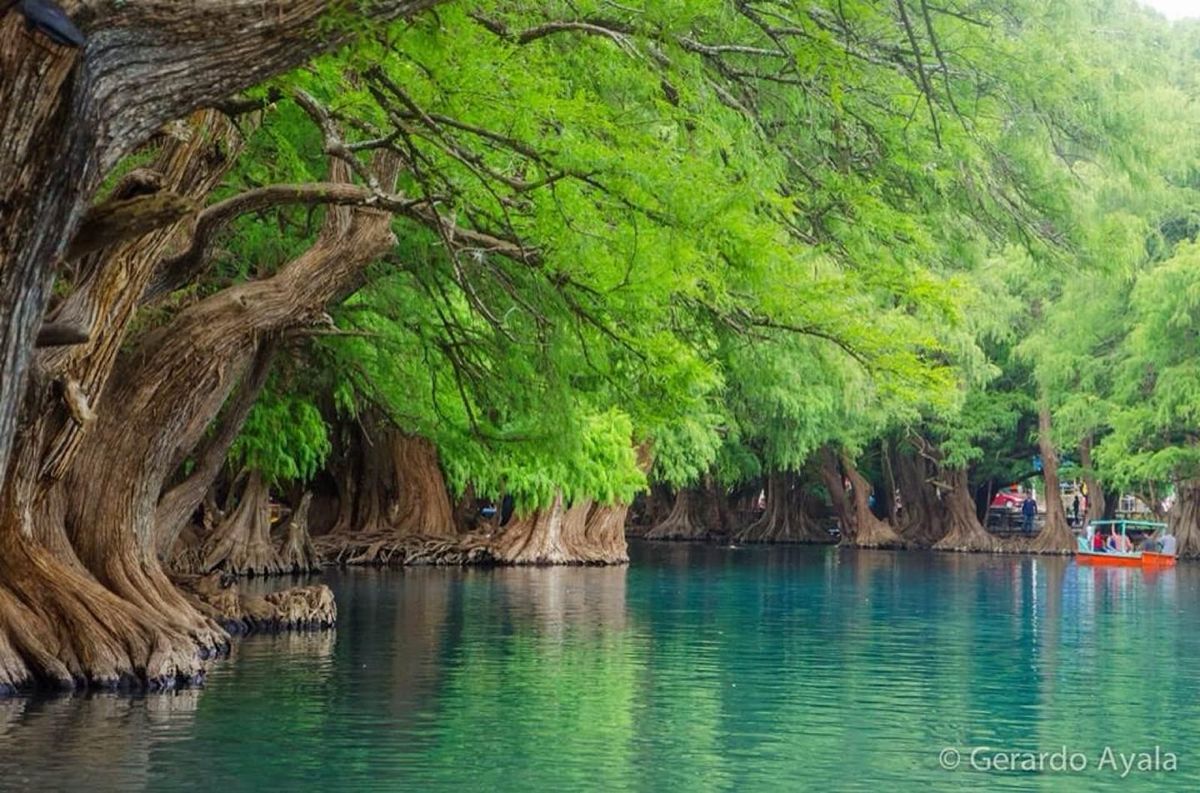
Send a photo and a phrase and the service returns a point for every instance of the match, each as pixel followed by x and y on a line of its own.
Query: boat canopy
pixel 1127 524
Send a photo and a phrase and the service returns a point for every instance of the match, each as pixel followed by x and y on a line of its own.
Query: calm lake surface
pixel 695 668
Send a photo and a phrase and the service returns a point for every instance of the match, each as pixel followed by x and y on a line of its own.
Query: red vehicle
pixel 1008 500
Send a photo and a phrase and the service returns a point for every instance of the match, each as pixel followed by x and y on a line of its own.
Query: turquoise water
pixel 696 668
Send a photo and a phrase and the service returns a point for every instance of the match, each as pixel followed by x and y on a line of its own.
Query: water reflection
pixel 696 668
pixel 70 743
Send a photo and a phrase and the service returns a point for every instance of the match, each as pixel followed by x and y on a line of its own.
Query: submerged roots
pixel 306 608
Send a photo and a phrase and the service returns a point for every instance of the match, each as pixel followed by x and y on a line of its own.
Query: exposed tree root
pixel 584 533
pixel 298 555
pixel 186 555
pixel 388 550
pixel 873 533
pixel 241 544
pixel 294 609
pixel 60 628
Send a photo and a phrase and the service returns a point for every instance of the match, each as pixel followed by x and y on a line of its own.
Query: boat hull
pixel 1139 559
pixel 1110 559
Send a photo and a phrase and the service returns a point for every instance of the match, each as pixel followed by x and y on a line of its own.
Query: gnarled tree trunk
pixel 1055 536
pixel 68 116
pixel 169 391
pixel 786 518
pixel 298 554
pixel 1183 519
pixel 422 507
pixel 860 527
pixel 686 520
pixel 965 533
pixel 177 505
pixel 924 515
pixel 241 544
pixel 61 407
pixel 397 510
pixel 604 535
pixel 558 534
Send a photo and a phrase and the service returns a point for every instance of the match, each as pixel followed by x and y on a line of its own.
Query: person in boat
pixel 1120 543
pixel 1098 541
pixel 1168 545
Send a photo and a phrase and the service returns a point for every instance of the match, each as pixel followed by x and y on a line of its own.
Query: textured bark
pixel 786 518
pixel 604 533
pixel 60 628
pixel 346 478
pixel 649 509
pixel 422 507
pixel 125 219
pixel 869 531
pixel 540 537
pixel 965 532
pixel 1095 494
pixel 685 521
pixel 376 491
pixel 68 116
pixel 839 499
pixel 1183 520
pixel 241 544
pixel 178 504
pixel 61 406
pixel 396 507
pixel 169 391
pixel 298 554
pixel 581 533
pixel 923 523
pixel 1055 536
pixel 860 527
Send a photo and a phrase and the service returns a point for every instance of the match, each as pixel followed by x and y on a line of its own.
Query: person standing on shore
pixel 1028 512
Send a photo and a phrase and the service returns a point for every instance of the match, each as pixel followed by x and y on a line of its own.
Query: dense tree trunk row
pixel 394 508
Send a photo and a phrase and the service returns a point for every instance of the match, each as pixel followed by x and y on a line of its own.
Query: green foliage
pixel 284 438
pixel 738 233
